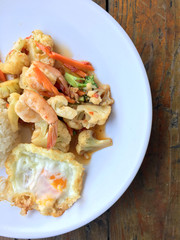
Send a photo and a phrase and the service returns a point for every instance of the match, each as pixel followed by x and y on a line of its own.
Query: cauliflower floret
pixel 2 188
pixel 8 87
pixel 59 104
pixel 20 44
pixel 74 124
pixel 12 116
pixel 89 87
pixel 106 95
pixel 88 143
pixel 15 60
pixel 35 54
pixel 40 134
pixel 23 78
pixel 101 96
pixel 94 114
pixel 88 116
pixel 66 112
pixel 14 63
pixel 95 98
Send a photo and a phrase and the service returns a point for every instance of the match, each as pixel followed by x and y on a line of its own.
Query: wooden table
pixel 150 208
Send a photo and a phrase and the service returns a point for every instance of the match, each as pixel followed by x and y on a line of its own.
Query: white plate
pixel 91 34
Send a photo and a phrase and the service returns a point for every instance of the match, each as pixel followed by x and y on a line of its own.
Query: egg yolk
pixel 59 183
pixel 55 180
pixel 53 176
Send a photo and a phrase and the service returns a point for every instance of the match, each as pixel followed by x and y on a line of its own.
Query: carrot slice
pixel 83 65
pixel 80 93
pixel 86 66
pixel 45 49
pixel 28 37
pixel 70 100
pixel 75 70
pixel 10 52
pixel 81 73
pixel 2 76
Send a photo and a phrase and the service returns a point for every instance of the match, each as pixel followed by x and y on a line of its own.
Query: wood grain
pixel 102 3
pixel 150 208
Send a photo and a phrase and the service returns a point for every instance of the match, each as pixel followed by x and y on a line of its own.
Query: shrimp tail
pixel 52 135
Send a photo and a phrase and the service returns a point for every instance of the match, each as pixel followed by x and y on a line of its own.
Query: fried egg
pixel 49 181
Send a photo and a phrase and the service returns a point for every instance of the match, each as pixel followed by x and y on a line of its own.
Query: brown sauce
pixel 26 130
pixel 63 49
pixel 72 149
pixel 99 133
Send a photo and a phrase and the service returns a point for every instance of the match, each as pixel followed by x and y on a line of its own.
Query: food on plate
pixel 101 96
pixel 15 59
pixel 2 76
pixel 8 87
pixel 32 107
pixel 88 116
pixel 40 135
pixel 88 143
pixel 12 116
pixel 49 181
pixel 34 53
pixel 62 104
pixel 8 138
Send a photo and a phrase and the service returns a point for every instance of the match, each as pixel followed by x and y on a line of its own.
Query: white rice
pixel 8 139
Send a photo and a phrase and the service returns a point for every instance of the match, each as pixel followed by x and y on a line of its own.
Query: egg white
pixel 31 173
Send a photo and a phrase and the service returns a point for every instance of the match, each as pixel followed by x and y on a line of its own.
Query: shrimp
pixel 38 109
pixel 37 80
pixel 47 85
pixel 55 72
pixel 44 81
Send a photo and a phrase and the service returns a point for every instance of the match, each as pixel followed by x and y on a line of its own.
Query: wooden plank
pixel 101 3
pixel 150 207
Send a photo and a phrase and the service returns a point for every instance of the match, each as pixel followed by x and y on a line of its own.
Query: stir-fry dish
pixel 60 101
